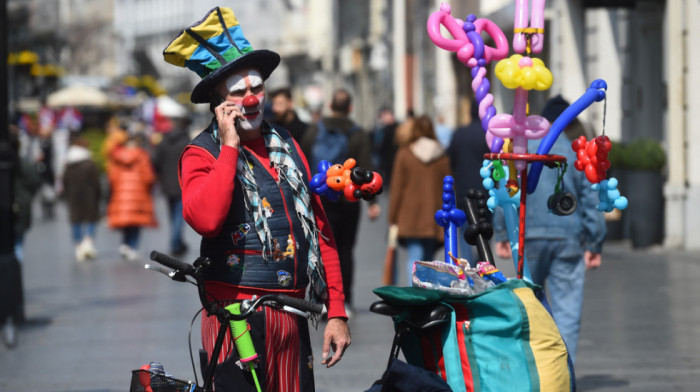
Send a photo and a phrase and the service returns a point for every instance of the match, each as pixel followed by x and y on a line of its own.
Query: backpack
pixel 331 145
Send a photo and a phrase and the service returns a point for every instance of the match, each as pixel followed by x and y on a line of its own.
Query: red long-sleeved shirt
pixel 207 192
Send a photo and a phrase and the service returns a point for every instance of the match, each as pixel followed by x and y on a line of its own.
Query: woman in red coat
pixel 131 204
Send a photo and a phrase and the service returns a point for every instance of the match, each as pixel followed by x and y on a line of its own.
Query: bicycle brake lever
pixel 174 275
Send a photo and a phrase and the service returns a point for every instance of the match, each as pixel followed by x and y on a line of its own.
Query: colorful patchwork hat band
pixel 213 48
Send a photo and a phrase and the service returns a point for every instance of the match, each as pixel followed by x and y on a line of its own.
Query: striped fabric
pixel 500 340
pixel 282 341
pixel 206 40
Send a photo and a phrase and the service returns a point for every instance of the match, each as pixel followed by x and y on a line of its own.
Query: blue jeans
pixel 177 221
pixel 82 230
pixel 558 264
pixel 418 249
pixel 130 236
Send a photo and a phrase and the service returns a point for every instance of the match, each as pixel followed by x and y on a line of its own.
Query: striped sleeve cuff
pixel 336 308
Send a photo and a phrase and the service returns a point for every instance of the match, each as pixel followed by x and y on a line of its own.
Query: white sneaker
pixel 128 253
pixel 133 255
pixel 80 253
pixel 89 248
pixel 124 250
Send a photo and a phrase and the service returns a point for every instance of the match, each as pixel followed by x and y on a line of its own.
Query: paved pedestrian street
pixel 89 324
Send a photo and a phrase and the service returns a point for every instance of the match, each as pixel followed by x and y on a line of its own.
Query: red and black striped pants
pixel 281 339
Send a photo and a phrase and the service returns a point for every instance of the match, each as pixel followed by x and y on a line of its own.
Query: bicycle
pixel 232 316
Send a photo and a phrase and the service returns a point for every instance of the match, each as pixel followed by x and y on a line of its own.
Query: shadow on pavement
pixel 592 382
pixel 36 322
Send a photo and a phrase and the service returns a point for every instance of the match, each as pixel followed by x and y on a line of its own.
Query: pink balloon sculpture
pixel 472 54
pixel 460 43
pixel 521 23
pixel 519 126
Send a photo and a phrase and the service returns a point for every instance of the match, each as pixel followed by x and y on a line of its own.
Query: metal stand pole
pixel 521 234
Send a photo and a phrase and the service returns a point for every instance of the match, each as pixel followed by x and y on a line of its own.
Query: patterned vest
pixel 236 251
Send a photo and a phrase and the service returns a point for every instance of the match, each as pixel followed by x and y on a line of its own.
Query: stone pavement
pixel 90 324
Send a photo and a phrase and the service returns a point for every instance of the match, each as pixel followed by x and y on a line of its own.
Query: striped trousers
pixel 281 339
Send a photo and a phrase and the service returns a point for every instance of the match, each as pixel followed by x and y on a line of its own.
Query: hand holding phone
pixel 228 116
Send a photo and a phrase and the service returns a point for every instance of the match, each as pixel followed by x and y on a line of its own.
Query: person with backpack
pixel 335 139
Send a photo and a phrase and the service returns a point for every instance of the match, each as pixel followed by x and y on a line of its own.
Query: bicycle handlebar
pixel 299 303
pixel 172 263
pixel 278 299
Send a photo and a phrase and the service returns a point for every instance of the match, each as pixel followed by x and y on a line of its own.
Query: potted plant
pixel 644 160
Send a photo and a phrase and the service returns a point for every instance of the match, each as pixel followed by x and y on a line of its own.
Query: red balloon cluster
pixel 592 157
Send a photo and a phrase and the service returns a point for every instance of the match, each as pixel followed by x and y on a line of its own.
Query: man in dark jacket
pixel 26 183
pixel 165 161
pixel 466 153
pixel 285 116
pixel 384 146
pixel 344 216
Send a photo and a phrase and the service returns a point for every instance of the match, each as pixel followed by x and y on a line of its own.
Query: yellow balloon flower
pixel 524 72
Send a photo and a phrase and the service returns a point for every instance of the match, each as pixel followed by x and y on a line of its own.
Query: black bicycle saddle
pixel 418 318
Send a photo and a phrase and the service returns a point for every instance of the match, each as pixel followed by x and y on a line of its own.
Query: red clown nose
pixel 250 101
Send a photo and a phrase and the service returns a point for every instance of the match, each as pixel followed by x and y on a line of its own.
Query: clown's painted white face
pixel 247 90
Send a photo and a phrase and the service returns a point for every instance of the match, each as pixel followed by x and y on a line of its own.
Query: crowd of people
pixel 242 184
pixel 411 156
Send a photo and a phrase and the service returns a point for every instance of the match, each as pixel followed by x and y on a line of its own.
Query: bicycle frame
pixel 180 272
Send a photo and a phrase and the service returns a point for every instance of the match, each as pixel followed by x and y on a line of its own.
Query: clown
pixel 242 171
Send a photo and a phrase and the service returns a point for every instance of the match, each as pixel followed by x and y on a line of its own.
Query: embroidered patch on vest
pixel 276 252
pixel 283 278
pixel 267 208
pixel 289 252
pixel 233 260
pixel 243 229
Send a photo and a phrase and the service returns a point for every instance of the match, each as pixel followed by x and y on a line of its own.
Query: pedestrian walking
pixel 383 146
pixel 45 164
pixel 81 191
pixel 320 142
pixel 166 158
pixel 130 207
pixel 285 115
pixel 26 184
pixel 560 249
pixel 416 193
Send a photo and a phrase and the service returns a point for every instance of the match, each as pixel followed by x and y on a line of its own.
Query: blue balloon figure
pixel 609 195
pixel 499 197
pixel 450 218
pixel 318 182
